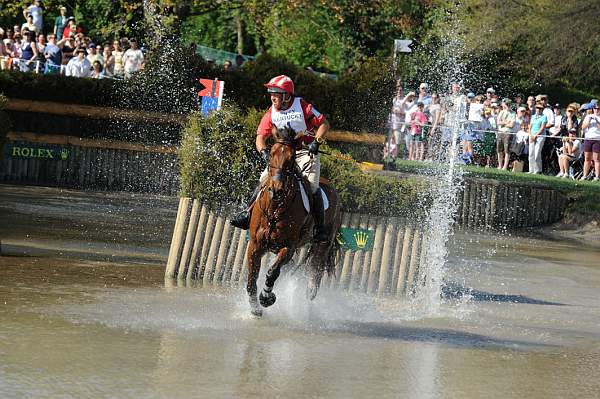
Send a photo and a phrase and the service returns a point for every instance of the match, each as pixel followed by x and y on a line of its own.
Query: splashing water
pixel 446 182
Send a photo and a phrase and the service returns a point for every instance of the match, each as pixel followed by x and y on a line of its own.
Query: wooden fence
pixel 207 249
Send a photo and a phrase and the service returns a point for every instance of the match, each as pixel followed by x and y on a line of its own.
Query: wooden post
pixel 225 243
pixel 404 261
pixel 176 241
pixel 375 267
pixel 189 240
pixel 414 262
pixel 359 259
pixel 210 227
pixel 344 278
pixel 239 257
pixel 212 253
pixel 364 275
pixel 229 262
pixel 387 261
pixel 192 270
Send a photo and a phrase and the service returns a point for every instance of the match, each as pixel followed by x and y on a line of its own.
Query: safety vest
pixel 292 117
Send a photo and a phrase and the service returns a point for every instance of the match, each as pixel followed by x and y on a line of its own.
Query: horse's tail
pixel 333 256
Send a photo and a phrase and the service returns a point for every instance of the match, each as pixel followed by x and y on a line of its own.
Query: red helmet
pixel 280 84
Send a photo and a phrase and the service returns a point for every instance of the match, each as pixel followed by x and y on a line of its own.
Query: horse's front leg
pixel 253 256
pixel 267 297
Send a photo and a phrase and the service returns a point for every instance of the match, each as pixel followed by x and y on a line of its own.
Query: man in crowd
pixel 53 55
pixel 424 96
pixel 133 59
pixel 79 66
pixel 60 23
pixel 36 12
pixel 505 122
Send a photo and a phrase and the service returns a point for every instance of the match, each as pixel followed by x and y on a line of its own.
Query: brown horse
pixel 280 224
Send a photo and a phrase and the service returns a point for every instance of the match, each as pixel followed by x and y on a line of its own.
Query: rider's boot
pixel 320 235
pixel 242 219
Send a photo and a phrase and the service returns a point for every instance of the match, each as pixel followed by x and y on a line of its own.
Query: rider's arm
pixel 261 142
pixel 323 129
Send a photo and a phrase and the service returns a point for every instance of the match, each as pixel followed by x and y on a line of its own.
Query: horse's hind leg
pixel 267 297
pixel 254 255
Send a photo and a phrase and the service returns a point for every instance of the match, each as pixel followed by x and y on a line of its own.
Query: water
pixel 518 317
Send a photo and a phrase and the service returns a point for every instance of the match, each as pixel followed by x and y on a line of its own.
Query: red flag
pixel 211 88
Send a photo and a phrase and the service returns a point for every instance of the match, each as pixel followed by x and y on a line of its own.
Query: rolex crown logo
pixel 340 238
pixel 64 154
pixel 361 239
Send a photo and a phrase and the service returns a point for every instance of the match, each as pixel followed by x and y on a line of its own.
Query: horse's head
pixel 283 156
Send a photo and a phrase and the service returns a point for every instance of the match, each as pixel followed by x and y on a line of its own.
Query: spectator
pixel 506 123
pixel 28 25
pixel 424 96
pixel 60 23
pixel 571 151
pixel 93 55
pixel 485 143
pixel 591 144
pixel 79 66
pixel 37 14
pixel 67 47
pixel 109 61
pixel 435 119
pixel 531 105
pixel 518 100
pixel 396 122
pixel 472 130
pixel 537 126
pixel 570 120
pixel 71 28
pixel 52 55
pixel 133 59
pixel 117 53
pixel 41 43
pixel 29 53
pixel 489 94
pixel 98 71
pixel 417 122
pixel 555 131
pixel 227 66
pixel 239 61
pixel 408 106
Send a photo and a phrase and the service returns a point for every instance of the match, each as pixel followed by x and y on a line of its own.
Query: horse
pixel 280 224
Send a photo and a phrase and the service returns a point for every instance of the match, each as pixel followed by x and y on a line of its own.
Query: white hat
pixel 423 86
pixel 521 109
pixel 490 90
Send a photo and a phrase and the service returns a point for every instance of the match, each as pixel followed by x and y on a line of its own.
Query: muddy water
pixel 85 313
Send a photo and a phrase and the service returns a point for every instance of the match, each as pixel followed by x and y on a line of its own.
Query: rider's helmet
pixel 281 84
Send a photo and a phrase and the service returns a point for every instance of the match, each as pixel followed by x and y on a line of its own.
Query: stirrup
pixel 241 220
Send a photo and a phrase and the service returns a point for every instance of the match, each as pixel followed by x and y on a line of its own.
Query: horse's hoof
pixel 267 299
pixel 311 293
pixel 256 312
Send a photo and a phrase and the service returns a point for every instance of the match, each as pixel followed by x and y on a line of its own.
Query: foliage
pixel 4 121
pixel 219 165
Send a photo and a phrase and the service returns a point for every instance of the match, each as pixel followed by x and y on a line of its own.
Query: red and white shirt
pixel 301 117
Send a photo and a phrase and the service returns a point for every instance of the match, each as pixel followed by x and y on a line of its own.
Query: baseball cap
pixel 494 105
pixel 557 105
pixel 507 100
pixel 521 109
pixel 423 86
pixel 92 45
pixel 490 90
pixel 470 94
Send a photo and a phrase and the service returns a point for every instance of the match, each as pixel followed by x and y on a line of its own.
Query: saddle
pixel 304 188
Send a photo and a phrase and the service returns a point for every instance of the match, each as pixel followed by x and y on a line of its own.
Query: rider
pixel 301 116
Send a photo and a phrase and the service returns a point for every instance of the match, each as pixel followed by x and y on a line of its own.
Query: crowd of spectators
pixel 522 134
pixel 66 49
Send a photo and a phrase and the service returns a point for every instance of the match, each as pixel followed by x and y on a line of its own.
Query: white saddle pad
pixel 306 202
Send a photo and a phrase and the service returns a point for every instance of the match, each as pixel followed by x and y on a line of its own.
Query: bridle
pixel 280 203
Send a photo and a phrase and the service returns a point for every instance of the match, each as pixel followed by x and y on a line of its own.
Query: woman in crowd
pixel 571 151
pixel 536 138
pixel 29 53
pixel 591 145
pixel 117 52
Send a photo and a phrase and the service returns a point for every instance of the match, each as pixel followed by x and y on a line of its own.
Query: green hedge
pixel 169 83
pixel 4 121
pixel 220 166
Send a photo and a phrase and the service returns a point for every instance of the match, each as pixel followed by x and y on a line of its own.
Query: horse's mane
pixel 285 135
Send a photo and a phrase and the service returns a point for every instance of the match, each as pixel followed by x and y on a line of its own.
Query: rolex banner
pixel 26 151
pixel 355 239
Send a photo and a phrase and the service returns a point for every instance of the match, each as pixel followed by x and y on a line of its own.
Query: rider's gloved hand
pixel 265 155
pixel 313 148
